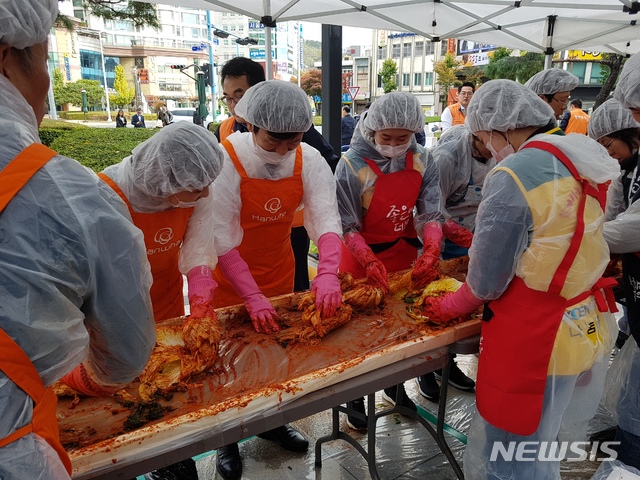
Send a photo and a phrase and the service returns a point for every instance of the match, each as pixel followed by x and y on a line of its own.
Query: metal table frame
pixel 466 346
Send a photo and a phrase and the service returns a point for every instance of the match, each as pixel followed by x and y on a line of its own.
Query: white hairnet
pixel 24 23
pixel 610 117
pixel 276 106
pixel 395 110
pixel 181 157
pixel 552 81
pixel 628 89
pixel 503 105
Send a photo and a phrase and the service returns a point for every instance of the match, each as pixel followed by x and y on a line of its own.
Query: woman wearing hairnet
pixel 267 175
pixel 68 291
pixel 381 178
pixel 537 257
pixel 613 122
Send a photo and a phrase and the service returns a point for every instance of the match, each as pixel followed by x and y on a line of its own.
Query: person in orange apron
pixel 160 183
pixel 267 176
pixel 554 86
pixel 67 292
pixel 537 256
pixel 237 76
pixel 382 178
pixel 614 127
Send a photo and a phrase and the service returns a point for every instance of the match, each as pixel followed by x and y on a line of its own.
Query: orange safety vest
pixel 456 115
pixel 226 128
pixel 163 234
pixel 268 208
pixel 14 362
pixel 578 122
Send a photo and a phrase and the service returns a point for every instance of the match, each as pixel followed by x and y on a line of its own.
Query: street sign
pixel 353 91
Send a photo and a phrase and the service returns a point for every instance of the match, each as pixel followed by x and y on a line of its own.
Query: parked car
pixel 186 114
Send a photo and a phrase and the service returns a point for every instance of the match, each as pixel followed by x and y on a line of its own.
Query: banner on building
pixel 451 46
pixel 468 47
pixel 143 75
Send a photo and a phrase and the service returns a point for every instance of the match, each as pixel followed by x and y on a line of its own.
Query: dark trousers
pixel 300 244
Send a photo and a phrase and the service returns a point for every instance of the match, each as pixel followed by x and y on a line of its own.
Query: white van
pixel 186 114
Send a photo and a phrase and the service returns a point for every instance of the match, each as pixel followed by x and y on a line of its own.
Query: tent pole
pixel 547 61
pixel 332 84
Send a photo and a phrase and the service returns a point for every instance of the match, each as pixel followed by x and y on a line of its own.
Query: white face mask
pixel 180 204
pixel 393 152
pixel 272 158
pixel 502 154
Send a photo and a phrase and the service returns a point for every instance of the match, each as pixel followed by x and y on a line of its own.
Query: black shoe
pixel 390 395
pixel 428 387
pixel 355 422
pixel 287 437
pixel 457 378
pixel 228 462
pixel 185 470
pixel 620 341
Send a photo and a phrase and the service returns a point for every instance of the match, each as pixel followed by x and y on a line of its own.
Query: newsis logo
pixel 163 237
pixel 552 451
pixel 273 205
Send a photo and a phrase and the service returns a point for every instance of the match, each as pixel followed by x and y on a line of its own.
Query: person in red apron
pixel 537 257
pixel 67 292
pixel 383 177
pixel 267 176
pixel 614 127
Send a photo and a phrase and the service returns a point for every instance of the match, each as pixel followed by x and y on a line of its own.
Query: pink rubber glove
pixel 326 285
pixel 376 271
pixel 457 234
pixel 235 269
pixel 202 286
pixel 452 305
pixel 425 270
pixel 81 382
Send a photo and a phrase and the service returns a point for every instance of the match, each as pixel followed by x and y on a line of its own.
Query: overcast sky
pixel 351 36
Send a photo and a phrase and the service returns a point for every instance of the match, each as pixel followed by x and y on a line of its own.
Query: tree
pixel 612 64
pixel 311 83
pixel 311 52
pixel 94 92
pixel 59 88
pixel 140 14
pixel 446 71
pixel 519 67
pixel 124 92
pixel 346 81
pixel 388 73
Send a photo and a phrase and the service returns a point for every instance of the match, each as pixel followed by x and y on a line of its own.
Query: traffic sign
pixel 353 92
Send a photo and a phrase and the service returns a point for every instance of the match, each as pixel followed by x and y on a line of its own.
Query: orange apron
pixel 163 234
pixel 268 208
pixel 387 227
pixel 518 338
pixel 226 128
pixel 13 361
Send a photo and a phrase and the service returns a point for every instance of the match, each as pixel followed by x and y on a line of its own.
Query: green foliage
pixel 97 148
pixel 139 14
pixel 387 73
pixel 317 120
pixel 311 53
pixel 52 129
pixel 446 71
pixel 124 91
pixel 94 92
pixel 520 68
pixel 59 89
pixel 428 119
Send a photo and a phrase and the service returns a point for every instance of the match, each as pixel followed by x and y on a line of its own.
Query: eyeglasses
pixel 466 94
pixel 229 100
pixel 608 145
pixel 563 102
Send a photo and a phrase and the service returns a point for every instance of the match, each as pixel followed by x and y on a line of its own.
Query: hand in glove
pixel 326 284
pixel 451 305
pixel 457 234
pixel 81 382
pixel 425 270
pixel 376 271
pixel 202 286
pixel 235 269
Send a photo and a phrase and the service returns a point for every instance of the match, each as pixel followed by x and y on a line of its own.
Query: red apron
pixel 517 341
pixel 268 208
pixel 163 234
pixel 13 361
pixel 389 219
